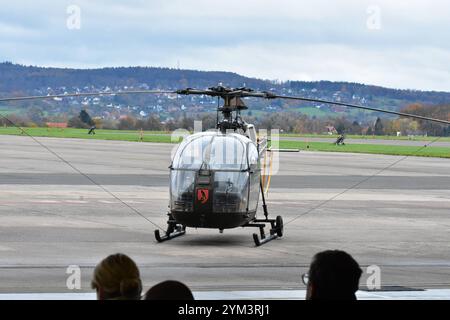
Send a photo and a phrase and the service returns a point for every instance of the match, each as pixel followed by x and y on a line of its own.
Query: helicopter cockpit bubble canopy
pixel 225 165
pixel 215 151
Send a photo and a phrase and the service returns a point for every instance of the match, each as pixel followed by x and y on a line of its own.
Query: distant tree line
pixel 364 90
pixel 287 122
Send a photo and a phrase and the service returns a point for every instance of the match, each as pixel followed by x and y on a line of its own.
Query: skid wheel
pixel 256 240
pixel 279 226
pixel 158 236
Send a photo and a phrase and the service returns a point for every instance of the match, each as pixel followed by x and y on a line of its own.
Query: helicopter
pixel 215 176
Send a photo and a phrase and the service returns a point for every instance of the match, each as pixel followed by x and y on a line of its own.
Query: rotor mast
pixel 231 108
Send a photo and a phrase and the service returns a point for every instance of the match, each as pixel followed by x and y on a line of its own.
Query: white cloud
pixel 392 67
pixel 284 39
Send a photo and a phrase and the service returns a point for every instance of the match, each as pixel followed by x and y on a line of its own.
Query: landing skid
pixel 276 230
pixel 276 225
pixel 174 230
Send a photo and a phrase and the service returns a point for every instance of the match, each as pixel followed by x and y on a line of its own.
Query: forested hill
pixel 26 79
pixel 15 77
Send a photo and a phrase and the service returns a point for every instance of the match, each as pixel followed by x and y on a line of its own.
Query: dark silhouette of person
pixel 92 130
pixel 117 278
pixel 333 275
pixel 169 290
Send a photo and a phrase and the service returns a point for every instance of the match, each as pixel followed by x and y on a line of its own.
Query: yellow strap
pixel 270 173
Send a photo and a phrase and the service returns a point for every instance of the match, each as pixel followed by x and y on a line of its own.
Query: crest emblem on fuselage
pixel 203 195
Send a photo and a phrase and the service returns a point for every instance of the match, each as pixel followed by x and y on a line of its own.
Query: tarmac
pixel 72 202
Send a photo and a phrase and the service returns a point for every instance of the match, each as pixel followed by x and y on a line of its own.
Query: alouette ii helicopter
pixel 215 176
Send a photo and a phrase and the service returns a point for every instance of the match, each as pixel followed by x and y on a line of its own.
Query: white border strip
pixel 431 294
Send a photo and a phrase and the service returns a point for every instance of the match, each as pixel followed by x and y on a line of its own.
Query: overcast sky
pixel 400 44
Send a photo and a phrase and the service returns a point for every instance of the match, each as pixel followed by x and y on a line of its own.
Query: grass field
pixel 441 152
pixel 164 137
pixel 123 135
pixel 354 136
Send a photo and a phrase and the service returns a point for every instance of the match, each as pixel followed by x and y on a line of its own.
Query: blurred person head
pixel 169 290
pixel 117 277
pixel 333 275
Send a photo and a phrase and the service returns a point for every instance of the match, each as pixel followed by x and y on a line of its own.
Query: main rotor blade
pixel 244 92
pixel 87 94
pixel 214 92
pixel 269 95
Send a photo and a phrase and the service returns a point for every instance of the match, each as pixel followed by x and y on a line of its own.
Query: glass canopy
pixel 229 160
